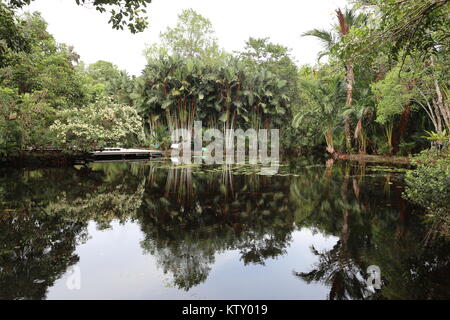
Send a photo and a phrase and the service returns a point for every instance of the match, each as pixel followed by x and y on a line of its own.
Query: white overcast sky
pixel 234 21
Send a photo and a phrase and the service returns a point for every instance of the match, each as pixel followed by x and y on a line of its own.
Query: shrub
pixel 102 124
pixel 10 128
pixel 429 186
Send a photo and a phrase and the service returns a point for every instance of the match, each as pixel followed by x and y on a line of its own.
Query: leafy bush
pixel 99 125
pixel 429 186
pixel 159 138
pixel 10 128
pixel 10 136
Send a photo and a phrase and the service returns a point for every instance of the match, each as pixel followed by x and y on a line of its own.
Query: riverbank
pixel 43 158
pixel 61 158
pixel 374 158
pixel 65 158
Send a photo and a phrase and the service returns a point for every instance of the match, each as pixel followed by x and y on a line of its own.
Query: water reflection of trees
pixel 35 253
pixel 375 226
pixel 36 247
pixel 190 214
pixel 185 232
pixel 107 192
pixel 43 217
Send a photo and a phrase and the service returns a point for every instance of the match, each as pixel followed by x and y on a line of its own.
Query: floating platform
pixel 123 154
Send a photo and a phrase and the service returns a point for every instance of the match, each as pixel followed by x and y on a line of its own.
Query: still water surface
pixel 151 230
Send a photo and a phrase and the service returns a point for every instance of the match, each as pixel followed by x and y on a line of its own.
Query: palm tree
pixel 325 97
pixel 363 111
pixel 330 39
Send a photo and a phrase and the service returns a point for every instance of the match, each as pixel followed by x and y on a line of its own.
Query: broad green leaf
pixel 224 117
pixel 166 104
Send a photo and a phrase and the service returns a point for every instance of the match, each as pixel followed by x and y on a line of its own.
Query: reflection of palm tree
pixel 184 236
pixel 37 248
pixel 380 236
pixel 335 267
pixel 313 194
pixel 359 179
pixel 227 179
pixel 342 275
pixel 38 241
pixel 179 182
pixel 345 210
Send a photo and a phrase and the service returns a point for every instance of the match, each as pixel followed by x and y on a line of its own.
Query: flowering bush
pixel 102 124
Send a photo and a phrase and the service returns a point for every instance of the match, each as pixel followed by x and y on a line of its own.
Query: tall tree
pixel 321 101
pixel 12 39
pixel 330 39
pixel 413 31
pixel 275 58
pixel 192 36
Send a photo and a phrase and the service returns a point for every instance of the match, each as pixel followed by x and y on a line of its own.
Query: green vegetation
pixel 190 216
pixel 429 187
pixel 102 124
pixel 43 85
pixel 384 85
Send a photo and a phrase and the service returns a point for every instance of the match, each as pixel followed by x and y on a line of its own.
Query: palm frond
pixel 327 38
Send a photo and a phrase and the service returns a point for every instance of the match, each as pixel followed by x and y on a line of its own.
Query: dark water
pixel 154 231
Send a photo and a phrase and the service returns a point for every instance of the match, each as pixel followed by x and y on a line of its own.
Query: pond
pixel 152 230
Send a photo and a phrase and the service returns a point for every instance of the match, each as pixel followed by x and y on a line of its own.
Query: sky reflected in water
pixel 151 230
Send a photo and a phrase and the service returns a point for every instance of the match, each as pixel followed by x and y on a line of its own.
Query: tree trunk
pixel 443 108
pixel 348 135
pixel 401 130
pixel 349 79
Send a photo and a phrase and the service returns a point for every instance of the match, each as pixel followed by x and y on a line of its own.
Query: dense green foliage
pixel 42 81
pixel 429 187
pixel 189 79
pixel 378 102
pixel 408 26
pixel 192 36
pixel 393 94
pixel 102 124
pixel 182 90
pixel 384 85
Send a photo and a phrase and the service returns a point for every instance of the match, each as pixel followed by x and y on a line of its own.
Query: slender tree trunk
pixel 401 130
pixel 441 105
pixel 349 79
pixel 443 108
pixel 347 132
pixel 345 231
pixel 439 116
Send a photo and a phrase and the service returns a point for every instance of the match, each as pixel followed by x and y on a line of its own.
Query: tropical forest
pixel 361 191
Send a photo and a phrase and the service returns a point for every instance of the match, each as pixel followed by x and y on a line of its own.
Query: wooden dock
pixel 119 153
